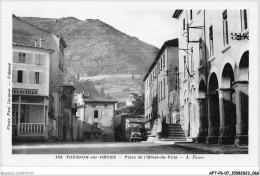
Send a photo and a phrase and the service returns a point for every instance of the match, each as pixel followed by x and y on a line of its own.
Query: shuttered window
pixel 244 23
pixel 184 28
pixel 15 57
pixel 29 58
pixel 37 78
pixel 20 76
pixel 14 76
pixel 39 59
pixel 164 87
pixel 211 49
pixel 96 114
pixel 22 58
pixel 225 28
pixel 184 67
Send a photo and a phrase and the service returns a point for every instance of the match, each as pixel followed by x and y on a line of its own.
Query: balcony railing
pixel 31 127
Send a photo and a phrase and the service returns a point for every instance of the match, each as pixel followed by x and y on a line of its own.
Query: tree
pixel 138 108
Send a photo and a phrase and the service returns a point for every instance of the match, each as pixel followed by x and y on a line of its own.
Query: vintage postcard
pixel 134 87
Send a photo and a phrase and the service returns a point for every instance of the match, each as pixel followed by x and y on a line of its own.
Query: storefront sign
pixel 25 91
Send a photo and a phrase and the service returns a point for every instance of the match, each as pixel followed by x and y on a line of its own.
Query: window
pixel 161 63
pixel 22 58
pixel 37 78
pixel 200 51
pixel 184 67
pixel 96 114
pixel 184 24
pixel 164 86
pixel 191 60
pixel 177 77
pixel 161 91
pixel 163 60
pixel 190 14
pixel 20 76
pixel 211 49
pixel 95 125
pixel 225 28
pixel 244 23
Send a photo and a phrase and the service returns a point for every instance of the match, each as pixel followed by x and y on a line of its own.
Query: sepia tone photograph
pixel 83 86
pixel 129 84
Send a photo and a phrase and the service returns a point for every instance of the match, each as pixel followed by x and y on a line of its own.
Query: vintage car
pixel 137 134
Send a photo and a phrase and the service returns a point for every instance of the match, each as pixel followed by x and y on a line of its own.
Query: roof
pixel 38 48
pixel 67 84
pixel 177 13
pixel 63 42
pixel 61 38
pixel 31 24
pixel 133 116
pixel 173 43
pixel 98 100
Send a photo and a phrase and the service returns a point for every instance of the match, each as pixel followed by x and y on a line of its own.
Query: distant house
pixel 30 93
pixel 96 119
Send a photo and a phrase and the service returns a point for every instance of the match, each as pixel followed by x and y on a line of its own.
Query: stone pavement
pixel 214 148
pixel 101 148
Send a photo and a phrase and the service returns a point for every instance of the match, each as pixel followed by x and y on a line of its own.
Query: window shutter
pixel 42 60
pixel 29 58
pixel 15 57
pixel 33 59
pixel 37 57
pixel 14 76
pixel 99 125
pixel 99 114
pixel 42 78
pixel 24 77
pixel 31 79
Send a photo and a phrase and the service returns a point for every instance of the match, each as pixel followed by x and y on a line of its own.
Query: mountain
pixel 97 49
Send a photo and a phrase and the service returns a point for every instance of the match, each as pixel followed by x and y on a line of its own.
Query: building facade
pixel 96 120
pixel 30 93
pixel 27 34
pixel 160 80
pixel 214 75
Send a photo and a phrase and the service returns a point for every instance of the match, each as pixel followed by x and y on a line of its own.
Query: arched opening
pixel 202 117
pixel 213 110
pixel 243 72
pixel 227 106
pixel 241 90
pixel 227 76
pixel 202 89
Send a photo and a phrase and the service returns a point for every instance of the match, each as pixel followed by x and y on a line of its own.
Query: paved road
pixel 101 148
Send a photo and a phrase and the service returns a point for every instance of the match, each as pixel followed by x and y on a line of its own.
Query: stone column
pixel 241 88
pixel 227 116
pixel 203 121
pixel 213 119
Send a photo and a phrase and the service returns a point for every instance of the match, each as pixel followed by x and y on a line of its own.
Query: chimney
pixel 41 40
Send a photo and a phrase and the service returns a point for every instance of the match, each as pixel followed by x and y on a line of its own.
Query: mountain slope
pixel 96 48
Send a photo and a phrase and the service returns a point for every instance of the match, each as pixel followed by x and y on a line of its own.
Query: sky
pixel 151 25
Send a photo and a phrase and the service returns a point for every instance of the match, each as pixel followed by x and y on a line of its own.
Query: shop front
pixel 29 115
